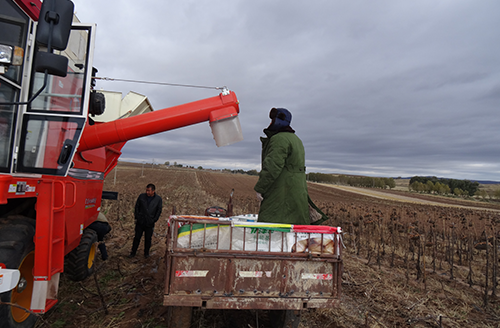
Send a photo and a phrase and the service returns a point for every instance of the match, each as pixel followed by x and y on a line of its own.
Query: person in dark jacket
pixel 282 186
pixel 147 212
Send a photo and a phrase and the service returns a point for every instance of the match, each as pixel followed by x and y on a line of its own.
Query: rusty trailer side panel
pixel 232 279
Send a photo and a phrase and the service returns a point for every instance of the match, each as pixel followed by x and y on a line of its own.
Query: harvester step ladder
pixel 49 242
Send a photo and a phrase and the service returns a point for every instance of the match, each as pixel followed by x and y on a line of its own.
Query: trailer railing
pixel 243 236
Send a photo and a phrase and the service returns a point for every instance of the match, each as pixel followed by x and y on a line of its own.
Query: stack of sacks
pixel 258 236
pixel 261 236
pixel 315 239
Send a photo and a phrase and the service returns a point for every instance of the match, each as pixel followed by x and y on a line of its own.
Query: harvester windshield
pixel 64 94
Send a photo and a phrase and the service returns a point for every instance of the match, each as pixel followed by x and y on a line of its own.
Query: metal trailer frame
pixel 237 279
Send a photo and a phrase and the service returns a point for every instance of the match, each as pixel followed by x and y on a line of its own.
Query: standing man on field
pixel 147 212
pixel 282 186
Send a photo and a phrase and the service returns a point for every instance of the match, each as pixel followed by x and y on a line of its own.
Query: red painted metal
pixel 104 134
pixel 30 7
pixel 49 234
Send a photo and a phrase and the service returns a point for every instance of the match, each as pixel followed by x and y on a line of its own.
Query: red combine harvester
pixel 54 156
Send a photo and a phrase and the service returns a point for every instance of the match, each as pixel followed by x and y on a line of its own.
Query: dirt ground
pixel 384 293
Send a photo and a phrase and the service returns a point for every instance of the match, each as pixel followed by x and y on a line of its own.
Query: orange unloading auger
pixel 220 109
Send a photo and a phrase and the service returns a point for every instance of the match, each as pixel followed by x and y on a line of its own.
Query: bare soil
pixel 376 293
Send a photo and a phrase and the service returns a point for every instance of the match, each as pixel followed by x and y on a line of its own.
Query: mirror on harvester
pixel 54 24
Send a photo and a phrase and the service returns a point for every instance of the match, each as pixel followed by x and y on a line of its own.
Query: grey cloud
pixel 382 88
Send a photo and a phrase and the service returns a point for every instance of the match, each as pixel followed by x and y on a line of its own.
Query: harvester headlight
pixel 11 55
pixel 5 54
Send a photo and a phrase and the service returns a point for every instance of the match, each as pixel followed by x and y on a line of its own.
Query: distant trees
pixel 459 187
pixel 482 193
pixel 321 177
pixel 239 171
pixel 438 188
pixel 249 172
pixel 418 186
pixel 369 182
pixel 496 193
pixel 459 192
pixel 441 188
pixel 167 163
pixel 389 182
pixel 429 186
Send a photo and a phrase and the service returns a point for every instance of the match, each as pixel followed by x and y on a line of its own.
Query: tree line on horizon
pixel 354 181
pixel 444 186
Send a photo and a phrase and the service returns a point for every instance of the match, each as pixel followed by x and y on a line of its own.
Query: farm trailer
pixel 55 151
pixel 234 265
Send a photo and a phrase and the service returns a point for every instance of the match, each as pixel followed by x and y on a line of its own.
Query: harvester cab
pixel 44 87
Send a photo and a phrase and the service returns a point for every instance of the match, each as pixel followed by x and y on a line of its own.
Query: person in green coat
pixel 282 187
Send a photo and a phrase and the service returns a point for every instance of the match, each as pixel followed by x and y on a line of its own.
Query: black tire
pixel 17 252
pixel 179 316
pixel 80 262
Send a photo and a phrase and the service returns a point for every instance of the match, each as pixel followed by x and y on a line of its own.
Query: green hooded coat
pixel 282 180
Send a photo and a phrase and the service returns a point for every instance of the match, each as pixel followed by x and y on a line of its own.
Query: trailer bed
pixel 217 264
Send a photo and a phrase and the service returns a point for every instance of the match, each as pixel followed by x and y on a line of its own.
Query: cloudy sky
pixel 379 88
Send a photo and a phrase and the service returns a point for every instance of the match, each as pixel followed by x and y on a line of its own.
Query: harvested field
pixel 406 263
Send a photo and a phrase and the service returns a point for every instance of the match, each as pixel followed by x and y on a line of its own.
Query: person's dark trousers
pixel 101 228
pixel 148 234
pixel 104 252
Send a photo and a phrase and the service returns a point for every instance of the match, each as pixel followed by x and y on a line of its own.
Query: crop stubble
pixel 405 264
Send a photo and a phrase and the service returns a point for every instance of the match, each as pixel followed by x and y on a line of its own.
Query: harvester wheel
pixel 80 262
pixel 17 252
